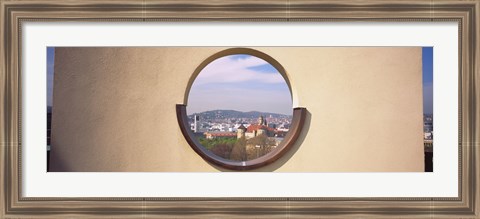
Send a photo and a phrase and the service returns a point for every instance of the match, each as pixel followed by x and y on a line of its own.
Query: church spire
pixel 261 120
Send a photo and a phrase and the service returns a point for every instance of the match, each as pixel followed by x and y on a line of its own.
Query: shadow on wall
pixel 284 159
pixel 59 164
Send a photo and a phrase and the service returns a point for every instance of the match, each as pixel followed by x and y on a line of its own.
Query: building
pixel 241 131
pixel 428 127
pixel 213 135
pixel 254 130
pixel 373 70
pixel 196 125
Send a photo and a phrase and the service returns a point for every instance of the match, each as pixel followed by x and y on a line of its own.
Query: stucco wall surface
pixel 114 109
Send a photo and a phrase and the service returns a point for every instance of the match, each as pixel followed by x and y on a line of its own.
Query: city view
pixel 239 136
pixel 251 111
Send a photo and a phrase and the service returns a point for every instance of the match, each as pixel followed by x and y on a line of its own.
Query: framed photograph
pixel 239 109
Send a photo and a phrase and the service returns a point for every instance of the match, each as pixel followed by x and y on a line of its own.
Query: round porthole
pixel 239 112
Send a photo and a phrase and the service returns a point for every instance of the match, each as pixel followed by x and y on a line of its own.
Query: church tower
pixel 241 131
pixel 260 120
pixel 196 125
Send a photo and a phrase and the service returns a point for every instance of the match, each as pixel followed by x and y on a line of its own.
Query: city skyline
pixel 251 111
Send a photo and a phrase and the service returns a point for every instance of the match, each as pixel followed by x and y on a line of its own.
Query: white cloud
pixel 229 70
pixel 249 61
pixel 219 86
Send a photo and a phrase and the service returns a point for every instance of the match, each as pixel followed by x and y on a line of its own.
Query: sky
pixel 50 62
pixel 427 69
pixel 240 82
pixel 247 83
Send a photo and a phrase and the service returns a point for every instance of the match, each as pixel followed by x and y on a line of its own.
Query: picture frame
pixel 14 13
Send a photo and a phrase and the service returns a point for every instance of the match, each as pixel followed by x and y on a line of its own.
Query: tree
pixel 239 152
pixel 211 143
pixel 222 150
pixel 259 146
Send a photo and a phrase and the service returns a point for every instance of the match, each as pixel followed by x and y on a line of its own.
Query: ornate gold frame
pixel 14 12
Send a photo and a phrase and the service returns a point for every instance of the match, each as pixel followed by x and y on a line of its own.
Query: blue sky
pixel 240 82
pixel 427 69
pixel 245 83
pixel 50 62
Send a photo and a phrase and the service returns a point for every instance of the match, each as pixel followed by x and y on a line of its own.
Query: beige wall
pixel 114 109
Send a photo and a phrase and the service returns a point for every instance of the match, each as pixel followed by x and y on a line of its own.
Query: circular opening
pixel 239 110
pixel 239 107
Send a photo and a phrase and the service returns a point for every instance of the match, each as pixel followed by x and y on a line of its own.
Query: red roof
pixel 242 127
pixel 221 134
pixel 252 128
